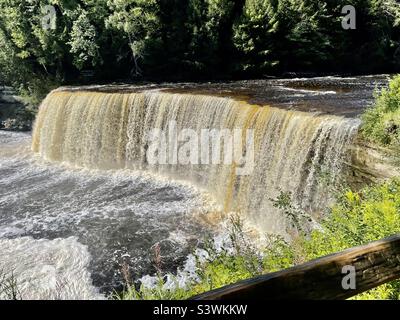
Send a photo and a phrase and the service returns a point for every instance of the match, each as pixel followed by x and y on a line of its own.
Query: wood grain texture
pixel 321 279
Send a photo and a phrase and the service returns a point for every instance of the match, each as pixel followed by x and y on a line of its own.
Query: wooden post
pixel 321 279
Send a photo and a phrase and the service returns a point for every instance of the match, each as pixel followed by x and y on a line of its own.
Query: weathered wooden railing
pixel 373 264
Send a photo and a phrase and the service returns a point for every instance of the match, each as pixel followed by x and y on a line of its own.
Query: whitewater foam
pixel 47 269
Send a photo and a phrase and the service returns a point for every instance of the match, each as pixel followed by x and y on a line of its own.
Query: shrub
pixel 9 287
pixel 381 122
pixel 356 219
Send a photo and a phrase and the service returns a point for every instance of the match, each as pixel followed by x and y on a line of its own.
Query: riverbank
pixel 356 219
pixel 15 115
pixel 83 180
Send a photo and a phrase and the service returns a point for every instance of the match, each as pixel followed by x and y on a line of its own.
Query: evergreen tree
pixel 254 35
pixel 139 20
pixel 282 35
pixel 182 39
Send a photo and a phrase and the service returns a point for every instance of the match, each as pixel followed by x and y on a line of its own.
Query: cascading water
pixel 88 203
pixel 294 151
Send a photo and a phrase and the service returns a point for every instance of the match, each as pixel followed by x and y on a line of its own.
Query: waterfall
pixel 294 151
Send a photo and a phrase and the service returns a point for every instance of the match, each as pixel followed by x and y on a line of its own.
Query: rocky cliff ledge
pixel 369 164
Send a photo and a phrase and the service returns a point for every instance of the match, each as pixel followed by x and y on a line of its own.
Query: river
pixel 78 201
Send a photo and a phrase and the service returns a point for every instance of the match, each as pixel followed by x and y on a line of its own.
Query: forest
pixel 45 43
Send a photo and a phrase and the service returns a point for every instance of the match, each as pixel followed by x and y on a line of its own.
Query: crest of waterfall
pixel 295 152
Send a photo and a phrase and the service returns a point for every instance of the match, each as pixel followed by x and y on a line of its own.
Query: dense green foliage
pixel 381 122
pixel 357 218
pixel 191 39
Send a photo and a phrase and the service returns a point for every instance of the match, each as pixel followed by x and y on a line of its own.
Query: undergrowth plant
pixel 9 286
pixel 381 121
pixel 357 218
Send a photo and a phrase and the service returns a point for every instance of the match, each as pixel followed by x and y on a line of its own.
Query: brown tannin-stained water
pixel 79 200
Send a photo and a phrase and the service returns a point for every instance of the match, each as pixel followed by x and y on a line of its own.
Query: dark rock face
pixel 369 164
pixel 13 114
